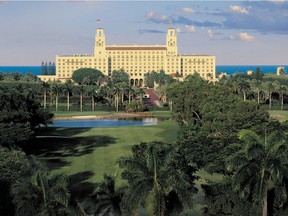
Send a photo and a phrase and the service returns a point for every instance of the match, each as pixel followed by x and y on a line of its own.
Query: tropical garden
pixel 218 153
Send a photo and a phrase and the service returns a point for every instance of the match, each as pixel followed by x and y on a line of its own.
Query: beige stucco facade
pixel 137 60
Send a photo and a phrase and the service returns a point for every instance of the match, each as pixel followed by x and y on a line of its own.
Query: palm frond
pixel 249 136
pixel 155 203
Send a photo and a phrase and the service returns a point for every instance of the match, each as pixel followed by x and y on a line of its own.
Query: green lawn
pixel 161 114
pixel 85 154
pixel 78 113
pixel 281 115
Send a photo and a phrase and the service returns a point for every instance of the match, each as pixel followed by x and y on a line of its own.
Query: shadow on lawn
pixel 54 147
pixel 79 187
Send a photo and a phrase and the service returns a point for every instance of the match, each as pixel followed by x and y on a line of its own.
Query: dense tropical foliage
pixel 158 178
pixel 224 130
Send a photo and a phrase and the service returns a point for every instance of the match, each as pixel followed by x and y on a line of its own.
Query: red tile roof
pixel 136 48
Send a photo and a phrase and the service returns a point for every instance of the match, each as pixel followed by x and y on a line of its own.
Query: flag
pixel 98 21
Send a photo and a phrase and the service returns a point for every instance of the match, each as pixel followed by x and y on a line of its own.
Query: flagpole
pixel 170 22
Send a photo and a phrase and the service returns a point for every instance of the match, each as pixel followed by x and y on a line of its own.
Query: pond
pixel 104 123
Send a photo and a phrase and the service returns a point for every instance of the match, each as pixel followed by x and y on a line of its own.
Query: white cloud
pixel 157 17
pixel 178 30
pixel 190 28
pixel 277 1
pixel 243 36
pixel 210 33
pixel 246 37
pixel 238 9
pixel 188 10
pixel 232 37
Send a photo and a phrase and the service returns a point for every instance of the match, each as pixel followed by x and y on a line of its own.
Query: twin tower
pixel 171 42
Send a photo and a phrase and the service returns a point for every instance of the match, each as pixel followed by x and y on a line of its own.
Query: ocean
pixel 229 69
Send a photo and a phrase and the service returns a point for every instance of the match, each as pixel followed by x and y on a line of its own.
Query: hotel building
pixel 136 60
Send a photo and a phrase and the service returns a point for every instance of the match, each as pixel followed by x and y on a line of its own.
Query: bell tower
pixel 100 43
pixel 171 42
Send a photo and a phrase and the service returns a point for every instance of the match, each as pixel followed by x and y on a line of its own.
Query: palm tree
pixel 130 92
pixel 45 87
pixel 139 92
pixel 81 89
pixel 67 88
pixel 261 165
pixel 116 90
pixel 123 87
pixel 256 85
pixel 42 194
pixel 234 86
pixel 282 89
pixel 244 87
pixel 101 80
pixel 87 81
pixel 106 199
pixel 107 92
pixel 269 88
pixel 92 91
pixel 152 179
pixel 162 91
pixel 56 89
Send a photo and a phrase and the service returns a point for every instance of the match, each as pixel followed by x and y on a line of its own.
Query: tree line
pixel 259 87
pixel 223 134
pixel 220 133
pixel 48 68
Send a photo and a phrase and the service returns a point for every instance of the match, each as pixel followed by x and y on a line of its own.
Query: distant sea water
pixel 229 69
pixel 21 69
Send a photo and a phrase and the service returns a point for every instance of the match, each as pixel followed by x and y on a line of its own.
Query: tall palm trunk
pixel 129 96
pixel 51 98
pixel 244 95
pixel 43 190
pixel 68 102
pixel 56 101
pixel 45 99
pixel 258 97
pixel 270 100
pixel 282 101
pixel 264 210
pixel 81 101
pixel 93 103
pixel 117 102
pixel 171 106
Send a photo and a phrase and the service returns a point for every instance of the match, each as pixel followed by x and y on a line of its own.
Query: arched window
pixel 132 82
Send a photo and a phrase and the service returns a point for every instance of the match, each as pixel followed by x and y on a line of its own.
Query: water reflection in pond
pixel 104 123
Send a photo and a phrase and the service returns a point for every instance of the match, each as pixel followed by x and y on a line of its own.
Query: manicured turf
pixel 162 114
pixel 281 115
pixel 77 113
pixel 85 154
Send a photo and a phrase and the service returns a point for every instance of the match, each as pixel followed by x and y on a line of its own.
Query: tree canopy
pixel 154 182
pixel 160 78
pixel 211 116
pixel 20 113
pixel 261 166
pixel 87 75
pixel 119 76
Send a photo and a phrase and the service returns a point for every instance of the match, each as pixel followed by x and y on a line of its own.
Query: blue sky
pixel 236 32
